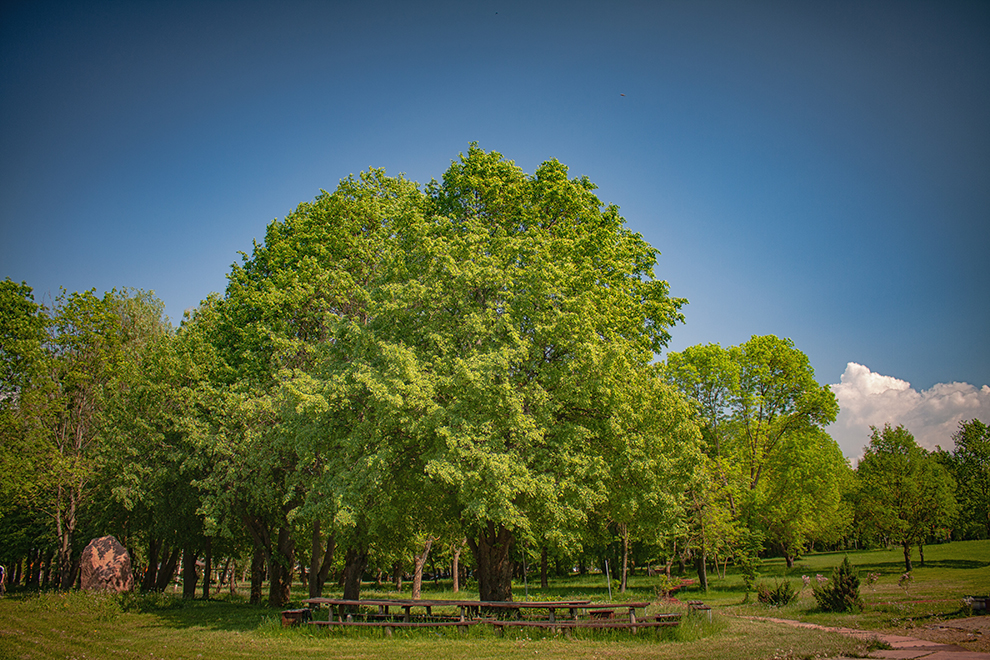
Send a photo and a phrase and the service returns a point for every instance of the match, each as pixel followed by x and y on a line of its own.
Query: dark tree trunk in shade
pixel 321 560
pixel 151 574
pixel 167 571
pixel 207 568
pixel 355 561
pixel 455 565
pixel 257 574
pixel 188 573
pixel 493 561
pixel 281 563
pixel 701 563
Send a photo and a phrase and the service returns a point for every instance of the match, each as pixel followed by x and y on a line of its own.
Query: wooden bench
pixel 698 606
pixel 388 626
pixel 601 614
pixel 668 618
pixel 295 617
pixel 596 624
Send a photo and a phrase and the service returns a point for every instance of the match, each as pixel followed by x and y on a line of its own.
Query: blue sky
pixel 818 171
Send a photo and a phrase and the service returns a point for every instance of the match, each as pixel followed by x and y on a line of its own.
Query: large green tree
pixel 476 353
pixel 905 494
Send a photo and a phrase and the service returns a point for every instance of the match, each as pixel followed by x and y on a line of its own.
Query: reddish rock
pixel 106 566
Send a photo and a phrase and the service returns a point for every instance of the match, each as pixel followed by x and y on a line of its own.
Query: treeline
pixel 462 375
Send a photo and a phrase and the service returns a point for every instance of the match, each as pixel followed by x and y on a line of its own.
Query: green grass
pixel 936 591
pixel 77 625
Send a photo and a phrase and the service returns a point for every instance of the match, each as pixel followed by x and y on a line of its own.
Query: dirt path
pixel 958 639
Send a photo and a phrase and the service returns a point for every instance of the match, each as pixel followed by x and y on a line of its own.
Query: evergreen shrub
pixel 841 592
pixel 782 593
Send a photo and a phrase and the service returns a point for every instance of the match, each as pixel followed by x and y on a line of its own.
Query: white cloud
pixel 932 416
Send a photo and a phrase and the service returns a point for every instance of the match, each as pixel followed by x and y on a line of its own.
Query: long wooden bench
pixel 387 626
pixel 586 623
pixel 664 620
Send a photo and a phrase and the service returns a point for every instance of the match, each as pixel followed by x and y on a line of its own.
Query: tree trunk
pixel 455 564
pixel 65 532
pixel 32 569
pixel 544 581
pixel 257 574
pixel 281 563
pixel 151 574
pixel 167 571
pixel 493 562
pixel 226 576
pixel 208 568
pixel 624 533
pixel 419 561
pixel 789 560
pixel 188 573
pixel 397 576
pixel 907 556
pixel 47 571
pixel 701 562
pixel 921 553
pixel 355 561
pixel 321 561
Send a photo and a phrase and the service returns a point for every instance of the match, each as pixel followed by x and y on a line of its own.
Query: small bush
pixel 841 592
pixel 666 586
pixel 782 593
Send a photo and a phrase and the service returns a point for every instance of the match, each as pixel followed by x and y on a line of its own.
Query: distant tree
pixel 92 351
pixel 970 462
pixel 656 462
pixel 905 494
pixel 762 415
pixel 801 498
pixel 22 395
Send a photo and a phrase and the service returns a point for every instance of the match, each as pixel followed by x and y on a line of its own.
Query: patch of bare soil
pixel 972 634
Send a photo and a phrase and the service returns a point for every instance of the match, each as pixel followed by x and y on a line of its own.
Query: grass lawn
pixel 77 625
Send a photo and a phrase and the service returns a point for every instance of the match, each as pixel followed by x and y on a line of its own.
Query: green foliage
pixel 477 353
pixel 904 493
pixel 841 592
pixel 22 332
pixel 970 465
pixel 666 585
pixel 772 472
pixel 780 594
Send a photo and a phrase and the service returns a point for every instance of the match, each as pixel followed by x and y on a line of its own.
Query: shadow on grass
pixel 230 616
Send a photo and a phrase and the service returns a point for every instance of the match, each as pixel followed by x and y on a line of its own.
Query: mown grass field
pixel 77 625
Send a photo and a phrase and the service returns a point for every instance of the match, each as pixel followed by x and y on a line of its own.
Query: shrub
pixel 782 593
pixel 666 586
pixel 841 592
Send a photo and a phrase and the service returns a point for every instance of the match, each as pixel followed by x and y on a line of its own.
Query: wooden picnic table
pixel 598 615
pixel 473 612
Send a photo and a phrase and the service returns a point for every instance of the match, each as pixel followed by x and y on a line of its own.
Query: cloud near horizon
pixel 867 399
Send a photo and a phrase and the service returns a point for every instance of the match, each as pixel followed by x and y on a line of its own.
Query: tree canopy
pixel 905 494
pixel 398 370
